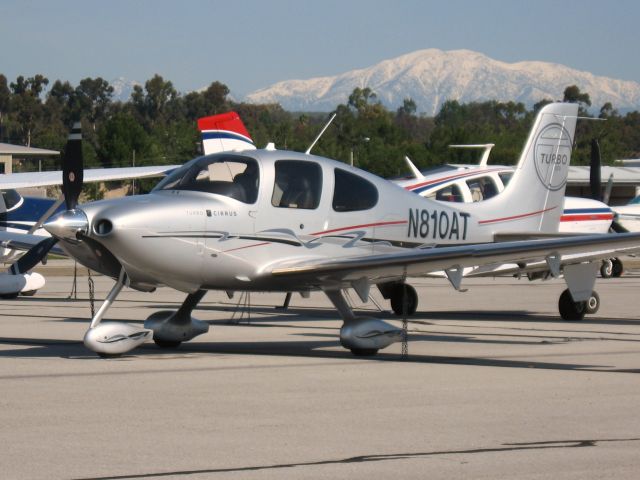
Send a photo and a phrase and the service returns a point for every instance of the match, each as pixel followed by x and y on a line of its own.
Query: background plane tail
pixel 224 132
pixel 533 199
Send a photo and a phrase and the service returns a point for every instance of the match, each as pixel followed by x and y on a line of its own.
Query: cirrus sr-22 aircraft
pixel 273 220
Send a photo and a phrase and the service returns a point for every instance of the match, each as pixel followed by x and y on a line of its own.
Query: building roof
pixel 579 175
pixel 20 151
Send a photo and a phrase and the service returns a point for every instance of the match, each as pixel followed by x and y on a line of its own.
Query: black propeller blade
pixel 72 167
pixel 72 177
pixel 33 256
pixel 594 172
pixel 595 182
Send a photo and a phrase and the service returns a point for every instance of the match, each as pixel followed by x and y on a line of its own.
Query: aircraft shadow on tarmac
pixel 270 313
pixel 503 448
pixel 321 341
pixel 327 349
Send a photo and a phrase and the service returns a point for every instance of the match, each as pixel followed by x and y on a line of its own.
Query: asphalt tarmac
pixel 495 386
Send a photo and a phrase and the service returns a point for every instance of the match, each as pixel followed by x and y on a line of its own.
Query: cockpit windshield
pixel 233 176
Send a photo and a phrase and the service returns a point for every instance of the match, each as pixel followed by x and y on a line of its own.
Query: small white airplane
pixel 473 183
pixel 24 216
pixel 271 220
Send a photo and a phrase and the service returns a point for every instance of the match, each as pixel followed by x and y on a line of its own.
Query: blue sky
pixel 249 44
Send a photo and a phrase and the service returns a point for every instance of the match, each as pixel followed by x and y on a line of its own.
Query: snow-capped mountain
pixel 430 77
pixel 122 89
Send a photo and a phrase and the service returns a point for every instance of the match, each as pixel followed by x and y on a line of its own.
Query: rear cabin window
pixel 505 177
pixel 482 188
pixel 298 184
pixel 353 193
pixel 450 193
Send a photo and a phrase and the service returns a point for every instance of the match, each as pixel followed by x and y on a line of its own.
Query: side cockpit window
pixel 228 175
pixel 353 193
pixel 298 184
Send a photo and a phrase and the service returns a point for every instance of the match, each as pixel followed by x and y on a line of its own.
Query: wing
pixel 43 179
pixel 556 253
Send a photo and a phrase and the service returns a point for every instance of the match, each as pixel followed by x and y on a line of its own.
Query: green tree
pixel 572 94
pixel 27 104
pixel 119 138
pixel 152 103
pixel 5 97
pixel 93 97
pixel 209 102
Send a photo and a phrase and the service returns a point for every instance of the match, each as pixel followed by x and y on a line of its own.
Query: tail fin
pixel 533 199
pixel 224 132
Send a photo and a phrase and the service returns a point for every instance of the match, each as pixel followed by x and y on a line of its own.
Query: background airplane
pixel 473 183
pixel 270 220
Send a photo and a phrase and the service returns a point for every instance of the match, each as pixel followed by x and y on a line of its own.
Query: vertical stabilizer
pixel 533 199
pixel 224 132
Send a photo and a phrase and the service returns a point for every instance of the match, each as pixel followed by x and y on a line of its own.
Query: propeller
pixel 73 167
pixel 72 177
pixel 594 171
pixel 595 182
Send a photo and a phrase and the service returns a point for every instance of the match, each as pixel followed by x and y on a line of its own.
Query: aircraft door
pixel 229 214
pixel 294 199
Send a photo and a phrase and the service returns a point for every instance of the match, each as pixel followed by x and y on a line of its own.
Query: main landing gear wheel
pixel 166 343
pixel 606 270
pixel 617 268
pixel 569 309
pixel 364 352
pixel 401 293
pixel 593 304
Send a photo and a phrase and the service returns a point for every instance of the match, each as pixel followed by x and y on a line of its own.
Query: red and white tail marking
pixel 224 132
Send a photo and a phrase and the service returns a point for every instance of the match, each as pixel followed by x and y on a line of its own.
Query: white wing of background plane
pixel 44 179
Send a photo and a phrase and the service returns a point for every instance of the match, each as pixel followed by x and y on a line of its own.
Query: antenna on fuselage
pixel 308 150
pixel 414 170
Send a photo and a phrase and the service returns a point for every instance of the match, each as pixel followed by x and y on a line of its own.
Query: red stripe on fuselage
pixel 585 218
pixel 515 217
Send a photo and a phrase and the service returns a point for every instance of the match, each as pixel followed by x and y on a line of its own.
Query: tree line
pixel 157 125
